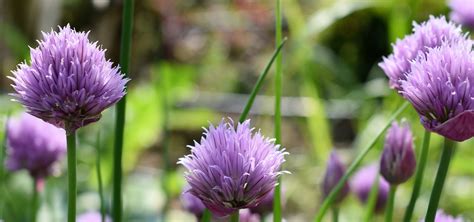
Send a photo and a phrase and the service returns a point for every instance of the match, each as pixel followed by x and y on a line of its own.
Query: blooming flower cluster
pixel 34 145
pixel 69 82
pixel 232 168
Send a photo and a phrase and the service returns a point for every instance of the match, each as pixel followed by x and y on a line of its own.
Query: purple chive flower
pixel 266 204
pixel 232 168
pixel 440 88
pixel 68 82
pixel 334 172
pixel 191 203
pixel 362 182
pixel 429 34
pixel 34 145
pixel 462 12
pixel 92 216
pixel 398 161
pixel 443 217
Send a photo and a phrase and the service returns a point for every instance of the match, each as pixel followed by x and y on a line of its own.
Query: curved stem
pixel 34 200
pixel 71 171
pixel 355 164
pixel 448 150
pixel 235 217
pixel 390 204
pixel 418 176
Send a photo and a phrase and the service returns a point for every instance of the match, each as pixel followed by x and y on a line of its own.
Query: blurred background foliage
pixel 195 61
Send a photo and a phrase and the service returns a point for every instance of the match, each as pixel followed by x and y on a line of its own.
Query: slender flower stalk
pixel 390 203
pixel 34 200
pixel 446 156
pixel 355 164
pixel 235 217
pixel 206 216
pixel 71 167
pixel 335 214
pixel 278 87
pixel 125 53
pixel 372 199
pixel 99 178
pixel 418 176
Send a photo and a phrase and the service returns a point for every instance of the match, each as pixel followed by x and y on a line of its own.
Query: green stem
pixel 418 176
pixel 165 106
pixel 206 216
pixel 355 164
pixel 390 204
pixel 234 217
pixel 2 166
pixel 278 88
pixel 125 48
pixel 34 200
pixel 99 179
pixel 71 171
pixel 372 200
pixel 446 156
pixel 335 214
pixel 259 83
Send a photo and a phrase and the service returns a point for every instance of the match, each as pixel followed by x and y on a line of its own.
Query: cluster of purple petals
pixel 462 12
pixel 361 185
pixel 34 145
pixel 191 203
pixel 232 168
pixel 440 88
pixel 443 217
pixel 430 34
pixel 68 82
pixel 398 160
pixel 334 172
pixel 92 216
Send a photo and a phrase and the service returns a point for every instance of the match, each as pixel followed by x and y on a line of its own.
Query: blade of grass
pixel 2 166
pixel 99 178
pixel 418 176
pixel 259 83
pixel 355 164
pixel 278 88
pixel 125 48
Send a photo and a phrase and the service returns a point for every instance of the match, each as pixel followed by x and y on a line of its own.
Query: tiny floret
pixel 398 160
pixel 429 34
pixel 34 145
pixel 232 168
pixel 68 82
pixel 440 88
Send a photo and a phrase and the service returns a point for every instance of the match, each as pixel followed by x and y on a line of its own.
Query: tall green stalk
pixel 125 48
pixel 355 164
pixel 99 179
pixel 418 176
pixel 206 216
pixel 446 156
pixel 71 172
pixel 34 200
pixel 278 88
pixel 2 166
pixel 165 108
pixel 234 217
pixel 372 200
pixel 335 214
pixel 390 204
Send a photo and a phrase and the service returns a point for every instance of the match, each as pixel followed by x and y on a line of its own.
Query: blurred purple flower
pixel 439 88
pixel 462 12
pixel 232 169
pixel 91 216
pixel 398 160
pixel 69 82
pixel 334 172
pixel 442 217
pixel 191 203
pixel 362 182
pixel 429 34
pixel 34 145
pixel 246 215
pixel 266 204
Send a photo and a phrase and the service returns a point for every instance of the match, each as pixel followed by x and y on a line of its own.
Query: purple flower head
pixel 398 161
pixel 191 203
pixel 334 172
pixel 443 217
pixel 439 88
pixel 362 182
pixel 68 82
pixel 462 12
pixel 34 145
pixel 232 168
pixel 429 34
pixel 92 216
